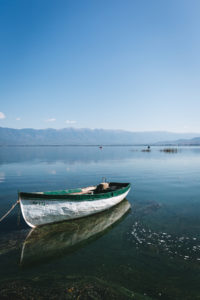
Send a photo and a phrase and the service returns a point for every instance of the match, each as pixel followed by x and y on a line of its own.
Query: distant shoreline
pixel 111 145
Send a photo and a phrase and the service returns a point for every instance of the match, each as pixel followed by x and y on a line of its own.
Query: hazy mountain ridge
pixel 84 136
pixel 183 142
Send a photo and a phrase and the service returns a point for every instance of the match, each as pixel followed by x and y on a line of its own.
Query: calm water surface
pixel 151 250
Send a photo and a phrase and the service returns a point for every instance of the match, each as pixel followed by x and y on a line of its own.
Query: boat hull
pixel 37 212
pixel 48 242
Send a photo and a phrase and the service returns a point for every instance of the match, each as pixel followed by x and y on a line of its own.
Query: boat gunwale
pixel 84 197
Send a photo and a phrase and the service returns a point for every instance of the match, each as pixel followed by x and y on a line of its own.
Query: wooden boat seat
pixel 99 189
pixel 82 193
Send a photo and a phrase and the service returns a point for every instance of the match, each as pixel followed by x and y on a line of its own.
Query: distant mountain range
pixel 182 142
pixel 74 136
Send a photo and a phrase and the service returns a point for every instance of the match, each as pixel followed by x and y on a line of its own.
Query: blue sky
pixel 113 64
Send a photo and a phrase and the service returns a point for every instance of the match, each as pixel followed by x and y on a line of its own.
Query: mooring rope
pixel 13 206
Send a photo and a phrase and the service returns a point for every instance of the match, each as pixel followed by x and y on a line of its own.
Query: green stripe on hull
pixel 63 192
pixel 84 197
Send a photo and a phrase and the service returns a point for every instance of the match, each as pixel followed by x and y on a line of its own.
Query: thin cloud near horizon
pixel 50 120
pixel 2 116
pixel 70 122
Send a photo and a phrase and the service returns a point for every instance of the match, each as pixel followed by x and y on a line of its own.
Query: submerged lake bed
pixel 148 247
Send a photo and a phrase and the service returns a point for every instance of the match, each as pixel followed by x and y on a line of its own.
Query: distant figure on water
pixel 147 150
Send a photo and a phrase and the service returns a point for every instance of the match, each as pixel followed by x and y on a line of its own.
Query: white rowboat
pixel 45 243
pixel 42 208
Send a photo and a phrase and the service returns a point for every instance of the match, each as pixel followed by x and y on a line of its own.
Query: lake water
pixel 151 251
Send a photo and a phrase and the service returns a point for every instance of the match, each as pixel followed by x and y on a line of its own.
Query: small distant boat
pixel 42 208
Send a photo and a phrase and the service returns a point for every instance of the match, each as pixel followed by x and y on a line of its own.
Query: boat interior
pixel 103 187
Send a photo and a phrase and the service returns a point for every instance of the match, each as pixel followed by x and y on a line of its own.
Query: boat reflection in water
pixel 52 241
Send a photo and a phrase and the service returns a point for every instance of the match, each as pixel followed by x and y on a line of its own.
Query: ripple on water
pixel 186 247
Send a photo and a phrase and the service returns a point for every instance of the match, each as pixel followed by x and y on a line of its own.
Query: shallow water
pixel 152 250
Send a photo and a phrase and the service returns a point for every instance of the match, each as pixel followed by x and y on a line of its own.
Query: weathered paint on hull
pixel 37 212
pixel 56 239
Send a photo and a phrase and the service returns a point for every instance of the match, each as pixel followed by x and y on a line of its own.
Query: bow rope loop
pixel 13 206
